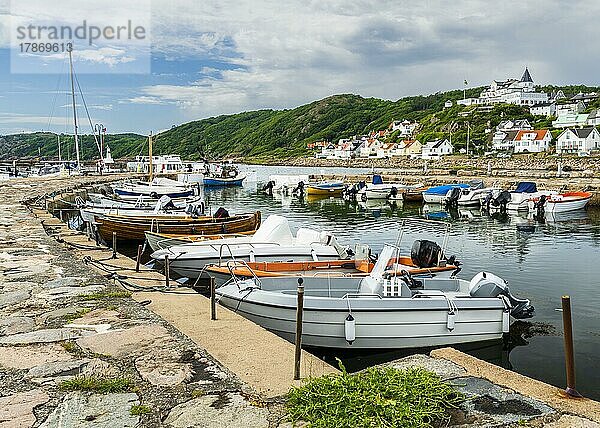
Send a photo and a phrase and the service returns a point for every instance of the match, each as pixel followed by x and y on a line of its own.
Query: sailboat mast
pixel 73 99
pixel 58 141
pixel 150 157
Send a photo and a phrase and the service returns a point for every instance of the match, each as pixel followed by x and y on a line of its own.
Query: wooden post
pixel 139 257
pixel 569 355
pixel 114 256
pixel 299 315
pixel 167 270
pixel 213 300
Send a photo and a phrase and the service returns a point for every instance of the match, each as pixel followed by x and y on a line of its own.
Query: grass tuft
pixel 106 295
pixel 377 397
pixel 96 384
pixel 198 393
pixel 139 410
pixel 70 317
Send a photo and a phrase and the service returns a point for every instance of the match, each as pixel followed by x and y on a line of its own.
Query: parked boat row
pixel 352 298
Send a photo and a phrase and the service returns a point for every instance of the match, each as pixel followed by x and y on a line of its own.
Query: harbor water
pixel 542 259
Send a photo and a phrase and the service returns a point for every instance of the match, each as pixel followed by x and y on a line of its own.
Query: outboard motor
pixel 489 285
pixel 426 254
pixel 453 196
pixel 327 238
pixel 539 205
pixel 221 213
pixel 268 188
pixel 393 193
pixel 502 200
pixel 299 189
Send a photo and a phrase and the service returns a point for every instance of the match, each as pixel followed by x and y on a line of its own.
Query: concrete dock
pixel 63 313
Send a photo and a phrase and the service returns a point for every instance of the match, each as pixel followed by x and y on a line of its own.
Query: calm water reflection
pixel 542 259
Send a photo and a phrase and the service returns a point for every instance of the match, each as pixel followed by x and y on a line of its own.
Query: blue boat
pixel 218 181
pixel 437 194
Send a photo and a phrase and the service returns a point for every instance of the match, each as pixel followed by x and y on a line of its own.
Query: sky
pixel 205 58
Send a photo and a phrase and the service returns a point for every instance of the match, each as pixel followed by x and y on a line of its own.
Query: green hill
pixel 285 133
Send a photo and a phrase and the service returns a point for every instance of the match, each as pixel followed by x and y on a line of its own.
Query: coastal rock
pixel 68 292
pixel 13 297
pixel 163 368
pixel 16 325
pixel 217 411
pixel 98 368
pixel 443 368
pixel 60 313
pixel 55 368
pixel 68 281
pixel 41 336
pixel 131 341
pixel 16 411
pixel 26 357
pixel 79 410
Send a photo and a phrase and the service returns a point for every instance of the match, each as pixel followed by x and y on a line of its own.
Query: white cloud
pixel 288 53
pixel 19 118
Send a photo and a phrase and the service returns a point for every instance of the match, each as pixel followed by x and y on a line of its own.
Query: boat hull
pixel 155 193
pixel 160 241
pixel 315 191
pixel 134 229
pixel 217 182
pixel 388 323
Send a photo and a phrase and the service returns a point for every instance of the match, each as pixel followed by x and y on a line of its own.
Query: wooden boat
pixel 560 203
pixel 325 188
pixel 414 195
pixel 380 311
pixel 331 268
pixel 159 241
pixel 133 228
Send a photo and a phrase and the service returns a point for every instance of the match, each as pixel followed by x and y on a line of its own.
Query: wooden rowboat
pixel 134 228
pixel 329 268
pixel 414 195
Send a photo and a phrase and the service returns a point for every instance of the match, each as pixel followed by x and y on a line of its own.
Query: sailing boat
pixel 154 188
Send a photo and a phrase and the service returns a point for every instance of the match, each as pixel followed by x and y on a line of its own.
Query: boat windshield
pixel 388 254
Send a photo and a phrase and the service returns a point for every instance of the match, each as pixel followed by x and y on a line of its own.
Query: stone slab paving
pixel 51 332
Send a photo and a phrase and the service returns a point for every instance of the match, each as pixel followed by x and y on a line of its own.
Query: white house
pixel 514 125
pixel 347 150
pixel 504 140
pixel 594 117
pixel 570 120
pixel 448 104
pixel 578 140
pixel 406 127
pixel 545 109
pixel 468 102
pixel 573 107
pixel 435 149
pixel 513 91
pixel 532 141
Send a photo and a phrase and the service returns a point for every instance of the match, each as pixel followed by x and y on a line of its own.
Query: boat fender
pixel 350 329
pixel 506 321
pixel 451 321
pixel 154 195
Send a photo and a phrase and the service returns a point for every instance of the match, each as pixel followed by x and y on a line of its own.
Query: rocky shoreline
pixel 534 164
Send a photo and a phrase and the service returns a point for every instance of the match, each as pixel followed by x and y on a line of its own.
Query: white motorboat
pixel 473 197
pixel 560 203
pixel 154 189
pixel 516 200
pixel 438 194
pixel 273 241
pixel 380 311
pixel 380 190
